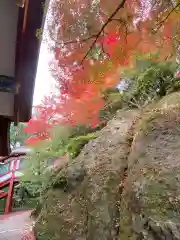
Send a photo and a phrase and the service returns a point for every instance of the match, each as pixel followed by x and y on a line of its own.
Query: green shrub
pixel 23 200
pixel 82 130
pixel 36 177
pixel 114 101
pixel 151 81
pixel 76 144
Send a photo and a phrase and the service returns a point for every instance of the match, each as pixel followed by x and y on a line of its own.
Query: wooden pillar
pixel 4 136
pixel 9 199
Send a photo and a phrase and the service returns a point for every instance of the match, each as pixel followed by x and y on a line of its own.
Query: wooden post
pixel 10 191
pixel 4 136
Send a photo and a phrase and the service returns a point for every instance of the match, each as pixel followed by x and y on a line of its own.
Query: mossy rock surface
pixel 83 204
pixel 150 203
pixel 77 143
pixel 124 185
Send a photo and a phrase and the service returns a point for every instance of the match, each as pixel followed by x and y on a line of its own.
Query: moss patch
pixel 77 143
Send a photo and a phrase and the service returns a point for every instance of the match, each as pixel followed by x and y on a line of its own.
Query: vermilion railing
pixel 9 176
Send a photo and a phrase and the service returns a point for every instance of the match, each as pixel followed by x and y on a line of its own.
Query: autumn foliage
pixel 91 41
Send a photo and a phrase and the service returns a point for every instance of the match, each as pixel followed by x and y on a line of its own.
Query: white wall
pixel 6 104
pixel 8 30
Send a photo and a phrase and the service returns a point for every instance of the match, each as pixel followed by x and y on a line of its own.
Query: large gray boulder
pixel 150 202
pixel 125 185
pixel 84 202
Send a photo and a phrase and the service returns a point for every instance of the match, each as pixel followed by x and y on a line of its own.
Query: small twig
pixel 77 40
pixel 159 25
pixel 121 5
pixel 103 50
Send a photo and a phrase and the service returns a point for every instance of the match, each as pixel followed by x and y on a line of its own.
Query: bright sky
pixel 44 80
pixel 44 83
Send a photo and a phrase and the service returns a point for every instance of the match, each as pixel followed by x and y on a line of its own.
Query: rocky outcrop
pixel 85 197
pixel 150 206
pixel 125 184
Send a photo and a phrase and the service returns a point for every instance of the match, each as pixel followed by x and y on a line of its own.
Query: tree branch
pixel 94 35
pixel 159 25
pixel 77 40
pixel 88 38
pixel 121 5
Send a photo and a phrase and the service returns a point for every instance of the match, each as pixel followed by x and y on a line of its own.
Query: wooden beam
pixel 18 63
pixel 4 136
pixel 27 54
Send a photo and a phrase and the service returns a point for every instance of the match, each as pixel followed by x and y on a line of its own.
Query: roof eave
pixel 31 18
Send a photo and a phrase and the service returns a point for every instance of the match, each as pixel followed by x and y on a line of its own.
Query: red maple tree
pixel 91 40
